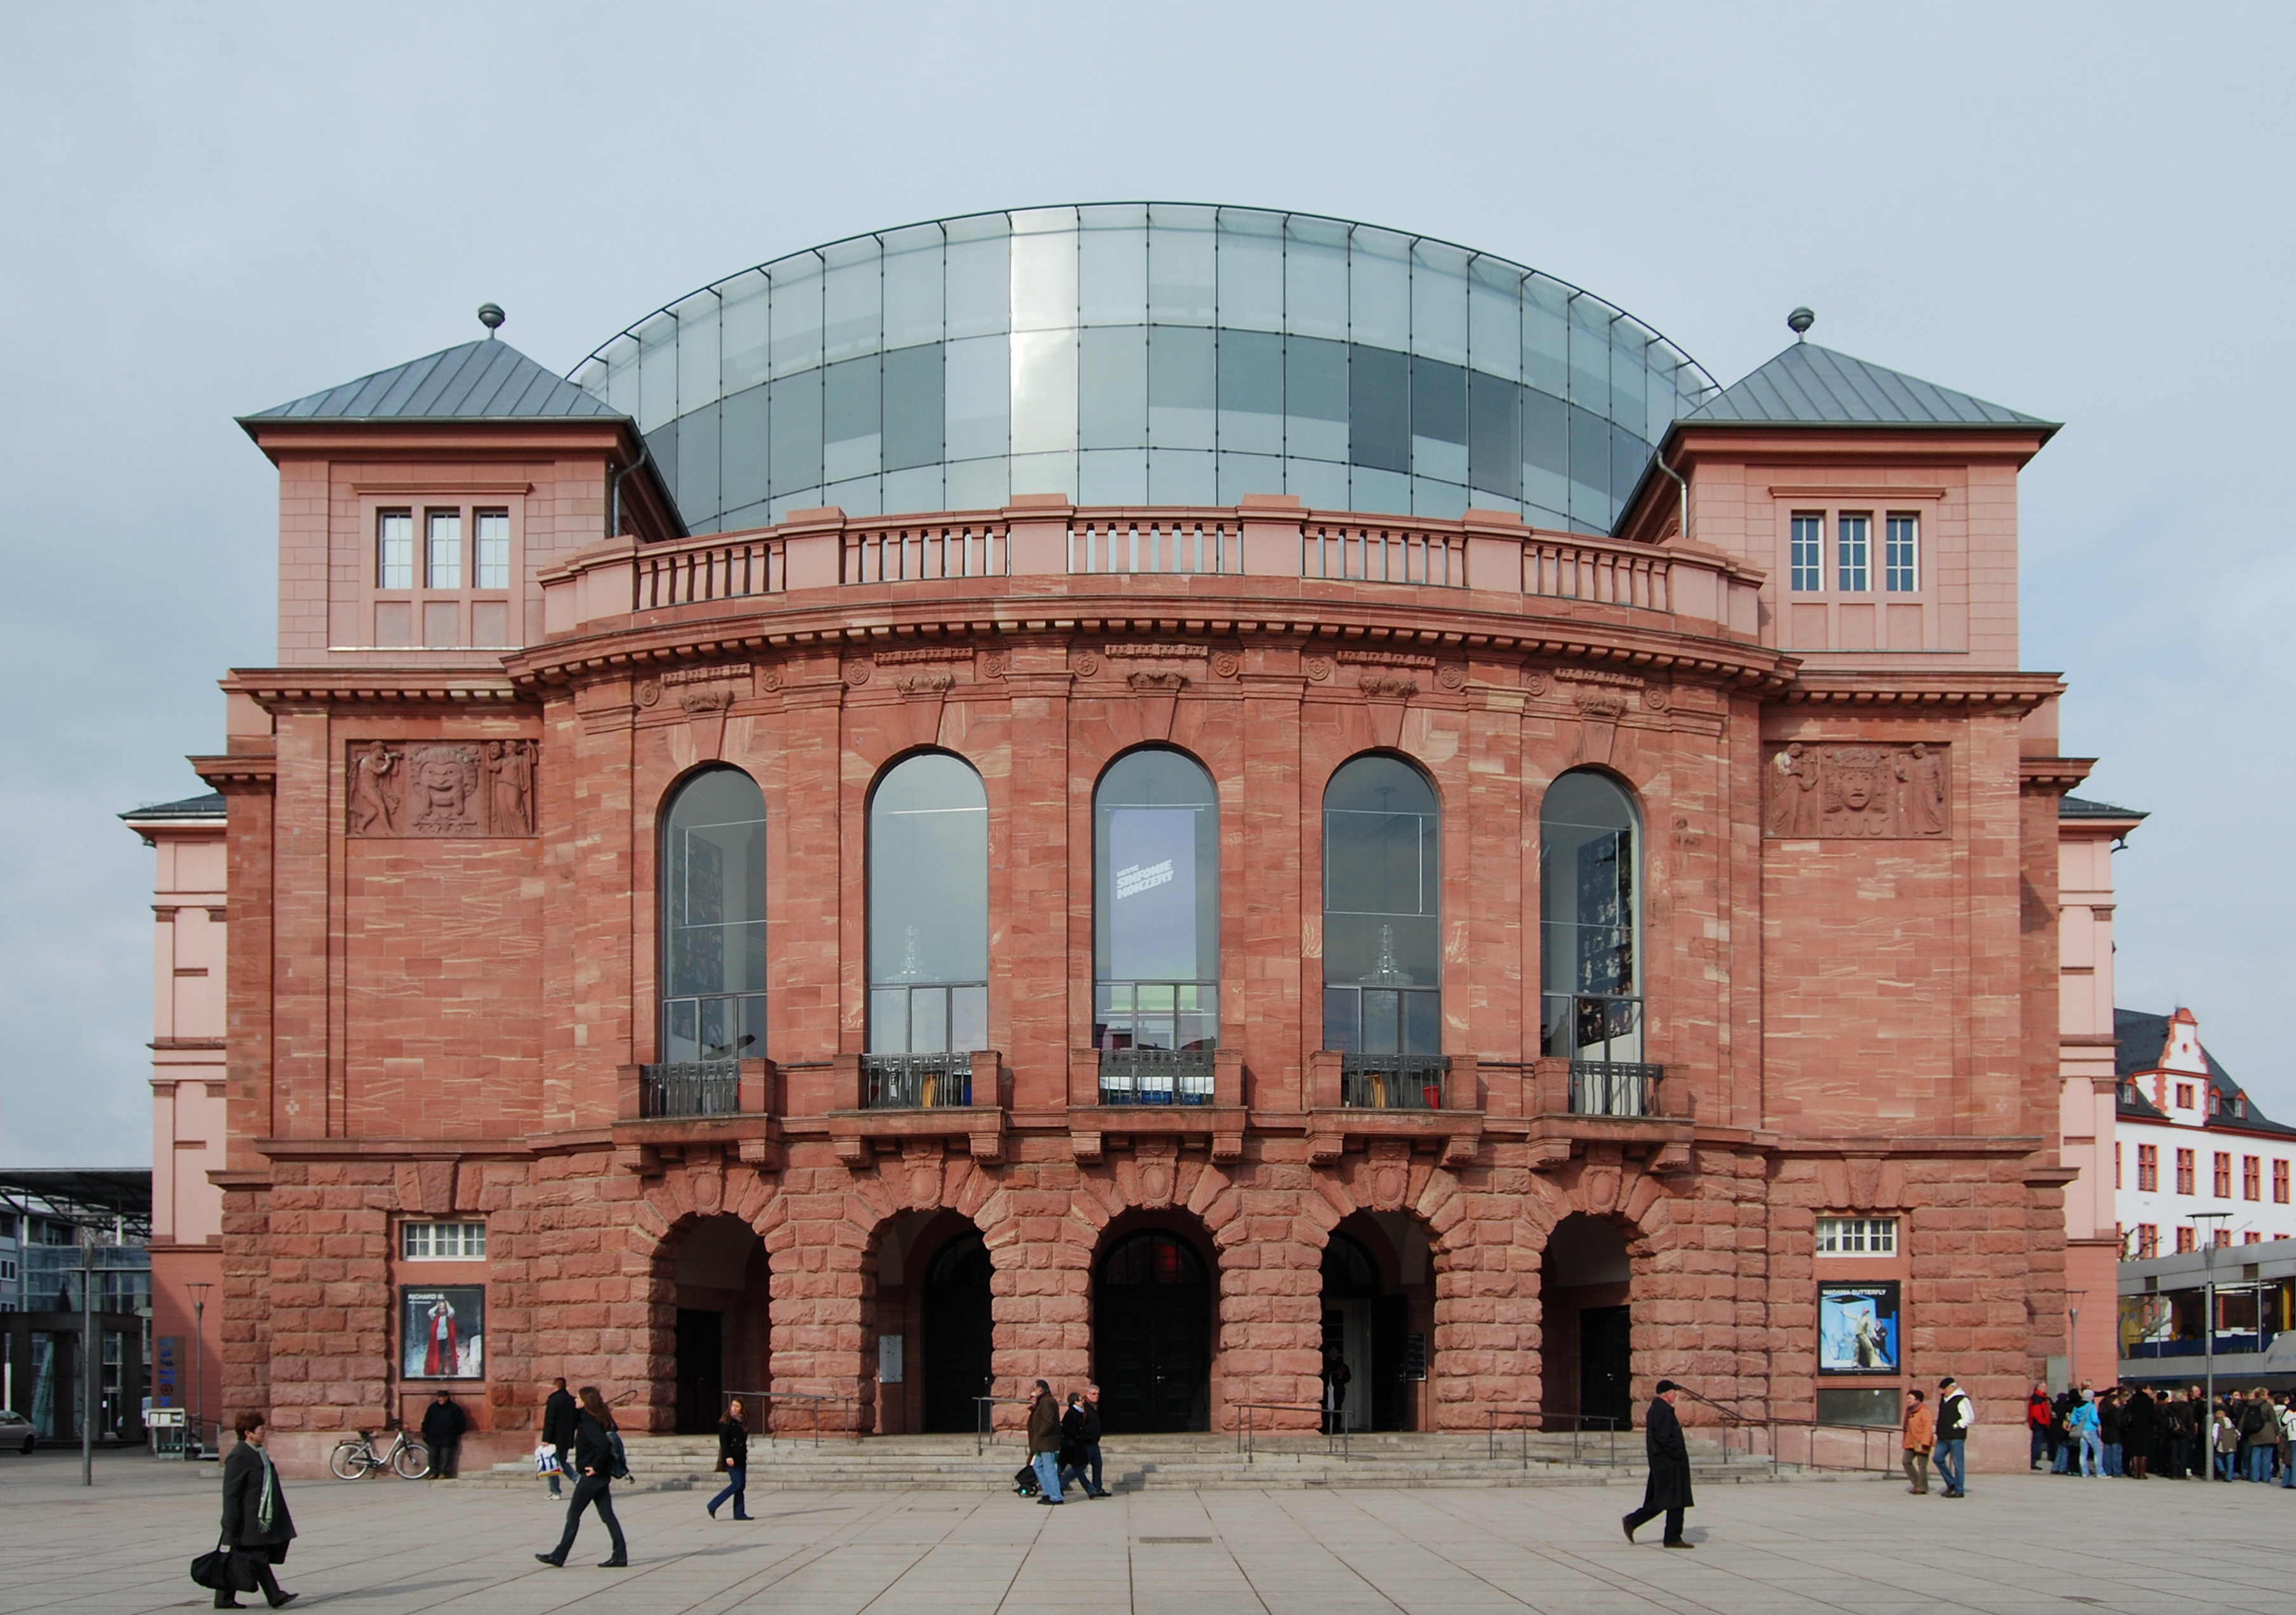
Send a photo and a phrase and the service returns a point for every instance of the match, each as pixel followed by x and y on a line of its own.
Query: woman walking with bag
pixel 256 1527
pixel 733 1459
pixel 597 1462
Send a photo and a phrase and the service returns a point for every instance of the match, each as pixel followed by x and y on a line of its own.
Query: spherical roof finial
pixel 491 316
pixel 1800 321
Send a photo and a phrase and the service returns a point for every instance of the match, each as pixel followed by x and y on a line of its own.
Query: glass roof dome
pixel 1145 353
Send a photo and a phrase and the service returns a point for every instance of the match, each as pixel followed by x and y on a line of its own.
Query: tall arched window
pixel 1590 924
pixel 713 920
pixel 929 908
pixel 1383 959
pixel 1155 928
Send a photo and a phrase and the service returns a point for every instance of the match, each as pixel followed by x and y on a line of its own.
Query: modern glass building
pixel 1145 353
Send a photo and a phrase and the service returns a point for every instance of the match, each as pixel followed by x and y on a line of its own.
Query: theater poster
pixel 442 1331
pixel 1858 1328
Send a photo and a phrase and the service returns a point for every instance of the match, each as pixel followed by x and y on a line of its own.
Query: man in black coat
pixel 558 1414
pixel 1667 1491
pixel 256 1527
pixel 443 1425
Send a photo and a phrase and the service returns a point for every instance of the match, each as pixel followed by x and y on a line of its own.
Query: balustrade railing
pixel 1614 1087
pixel 1378 552
pixel 924 551
pixel 1157 1076
pixel 1605 574
pixel 728 569
pixel 1393 1082
pixel 699 1088
pixel 916 1082
pixel 1153 544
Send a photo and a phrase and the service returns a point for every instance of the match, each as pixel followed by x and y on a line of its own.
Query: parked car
pixel 16 1431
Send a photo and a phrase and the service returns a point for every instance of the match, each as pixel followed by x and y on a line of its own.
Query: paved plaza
pixel 381 1548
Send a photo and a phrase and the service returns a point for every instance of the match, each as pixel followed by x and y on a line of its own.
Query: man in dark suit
pixel 1667 1491
pixel 558 1416
pixel 256 1527
pixel 443 1425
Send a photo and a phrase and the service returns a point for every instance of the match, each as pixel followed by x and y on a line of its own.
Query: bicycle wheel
pixel 350 1460
pixel 411 1461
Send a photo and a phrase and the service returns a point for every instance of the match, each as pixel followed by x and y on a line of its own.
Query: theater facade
pixel 1215 801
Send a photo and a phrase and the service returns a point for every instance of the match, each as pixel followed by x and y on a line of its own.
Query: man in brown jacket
pixel 1921 1435
pixel 1044 1443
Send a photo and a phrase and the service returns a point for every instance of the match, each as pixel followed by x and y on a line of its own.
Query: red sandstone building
pixel 1152 913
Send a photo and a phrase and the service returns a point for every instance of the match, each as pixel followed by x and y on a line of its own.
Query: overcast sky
pixel 2079 211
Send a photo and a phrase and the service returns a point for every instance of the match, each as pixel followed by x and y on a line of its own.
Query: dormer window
pixel 2184 1095
pixel 449 591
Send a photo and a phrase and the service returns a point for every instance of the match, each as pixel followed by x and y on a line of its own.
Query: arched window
pixel 929 908
pixel 1590 923
pixel 713 920
pixel 1383 962
pixel 1155 928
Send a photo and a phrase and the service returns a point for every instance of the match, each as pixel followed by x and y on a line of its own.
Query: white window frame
pixel 1901 576
pixel 461 1241
pixel 1858 1236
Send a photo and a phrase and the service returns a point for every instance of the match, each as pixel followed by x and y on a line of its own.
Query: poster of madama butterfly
pixel 442 1331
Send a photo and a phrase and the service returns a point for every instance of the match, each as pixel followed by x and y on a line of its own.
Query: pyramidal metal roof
pixel 486 380
pixel 1807 385
pixel 210 805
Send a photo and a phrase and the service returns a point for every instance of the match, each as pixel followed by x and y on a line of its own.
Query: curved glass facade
pixel 1140 353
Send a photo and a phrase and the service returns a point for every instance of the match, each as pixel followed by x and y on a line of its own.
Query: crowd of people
pixel 2132 1432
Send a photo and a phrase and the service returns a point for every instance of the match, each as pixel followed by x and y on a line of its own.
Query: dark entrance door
pixel 701 1369
pixel 958 1333
pixel 1152 1336
pixel 1605 1367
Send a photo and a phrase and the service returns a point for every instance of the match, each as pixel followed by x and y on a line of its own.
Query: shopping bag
pixel 545 1460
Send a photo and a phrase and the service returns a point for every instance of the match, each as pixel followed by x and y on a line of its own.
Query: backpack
pixel 619 1469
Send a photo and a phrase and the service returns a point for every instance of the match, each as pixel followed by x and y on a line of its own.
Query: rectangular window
pixel 442 556
pixel 2279 1183
pixel 2183 1241
pixel 1808 552
pixel 1900 563
pixel 2252 1239
pixel 2148 1240
pixel 1854 554
pixel 442 1241
pixel 2184 1095
pixel 1858 1236
pixel 2223 1238
pixel 2148 1166
pixel 2185 1172
pixel 494 550
pixel 2224 1175
pixel 394 550
pixel 2251 1177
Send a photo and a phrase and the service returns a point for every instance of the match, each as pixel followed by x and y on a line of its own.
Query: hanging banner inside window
pixel 1858 1328
pixel 442 1333
pixel 1151 878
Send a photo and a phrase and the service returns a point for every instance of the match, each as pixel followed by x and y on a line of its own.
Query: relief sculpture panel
pixel 474 788
pixel 1856 792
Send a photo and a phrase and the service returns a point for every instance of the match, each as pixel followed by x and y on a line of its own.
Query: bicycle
pixel 355 1460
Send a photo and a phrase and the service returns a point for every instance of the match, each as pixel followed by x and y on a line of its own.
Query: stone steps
pixel 1159 1462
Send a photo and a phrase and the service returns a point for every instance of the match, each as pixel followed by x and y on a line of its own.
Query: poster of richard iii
pixel 1858 1328
pixel 442 1333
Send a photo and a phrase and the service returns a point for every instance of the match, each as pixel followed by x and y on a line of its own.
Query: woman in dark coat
pixel 256 1527
pixel 734 1460
pixel 2140 1434
pixel 596 1458
pixel 1667 1491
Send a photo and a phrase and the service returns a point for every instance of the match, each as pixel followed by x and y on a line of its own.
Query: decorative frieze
pixel 442 789
pixel 1857 792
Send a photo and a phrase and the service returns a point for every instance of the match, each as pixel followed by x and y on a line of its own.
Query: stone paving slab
pixel 2020 1543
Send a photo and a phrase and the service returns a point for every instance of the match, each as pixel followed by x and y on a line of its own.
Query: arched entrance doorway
pixel 1151 1335
pixel 724 1345
pixel 959 1332
pixel 1588 1353
pixel 1379 1321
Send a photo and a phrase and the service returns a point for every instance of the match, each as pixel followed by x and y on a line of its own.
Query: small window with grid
pixel 1808 552
pixel 394 550
pixel 1853 560
pixel 1858 1236
pixel 2148 1166
pixel 442 1241
pixel 1901 555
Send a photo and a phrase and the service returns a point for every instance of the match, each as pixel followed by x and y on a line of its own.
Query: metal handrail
pixel 1156 1077
pixel 690 1087
pixel 1247 1435
pixel 771 1396
pixel 916 1082
pixel 1762 1437
pixel 1393 1082
pixel 981 1432
pixel 1614 1087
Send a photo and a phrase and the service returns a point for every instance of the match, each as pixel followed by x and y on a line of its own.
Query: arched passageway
pixel 724 1345
pixel 1153 1334
pixel 1585 1326
pixel 1378 1319
pixel 934 1332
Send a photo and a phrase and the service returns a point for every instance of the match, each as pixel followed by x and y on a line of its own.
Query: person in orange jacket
pixel 1921 1436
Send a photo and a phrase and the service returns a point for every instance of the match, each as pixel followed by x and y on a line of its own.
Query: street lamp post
pixel 2072 1341
pixel 90 1349
pixel 2209 1323
pixel 198 1364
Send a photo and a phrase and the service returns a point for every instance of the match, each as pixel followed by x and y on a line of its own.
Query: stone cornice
pixel 276 688
pixel 2058 773
pixel 2006 692
pixel 237 770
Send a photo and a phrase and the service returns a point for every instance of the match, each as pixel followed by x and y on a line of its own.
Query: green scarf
pixel 269 1496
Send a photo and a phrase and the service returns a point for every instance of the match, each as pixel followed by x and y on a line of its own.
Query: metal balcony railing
pixel 915 1082
pixel 1155 1076
pixel 699 1088
pixel 1614 1087
pixel 1393 1082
